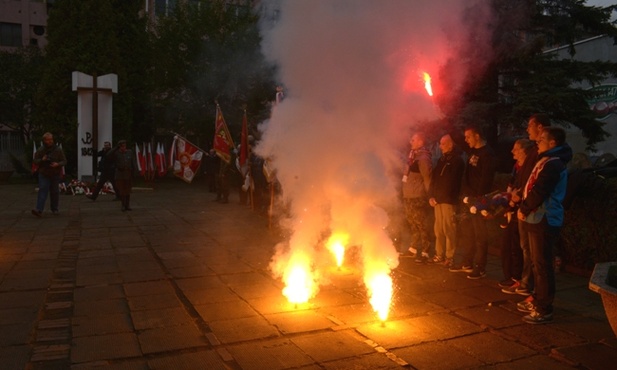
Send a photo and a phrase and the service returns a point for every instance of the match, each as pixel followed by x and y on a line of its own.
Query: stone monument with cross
pixel 94 119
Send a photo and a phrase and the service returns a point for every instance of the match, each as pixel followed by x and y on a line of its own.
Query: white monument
pixel 94 119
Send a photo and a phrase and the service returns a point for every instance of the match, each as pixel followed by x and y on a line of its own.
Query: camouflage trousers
pixel 416 212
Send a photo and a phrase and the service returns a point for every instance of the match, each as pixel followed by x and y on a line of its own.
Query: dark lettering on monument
pixel 88 138
pixel 87 152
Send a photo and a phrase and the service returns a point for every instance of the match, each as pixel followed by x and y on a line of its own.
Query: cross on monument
pixel 94 118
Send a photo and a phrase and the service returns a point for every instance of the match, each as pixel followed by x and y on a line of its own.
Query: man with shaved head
pixel 443 196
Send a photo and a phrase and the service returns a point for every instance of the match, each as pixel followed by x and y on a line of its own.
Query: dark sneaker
pixel 476 274
pixel 462 268
pixel 511 289
pixel 36 213
pixel 436 259
pixel 506 283
pixel 526 305
pixel 422 258
pixel 538 318
pixel 522 291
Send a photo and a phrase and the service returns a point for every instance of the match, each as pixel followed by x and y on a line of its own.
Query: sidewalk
pixel 182 282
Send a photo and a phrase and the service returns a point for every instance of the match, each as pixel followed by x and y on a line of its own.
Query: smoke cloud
pixel 352 72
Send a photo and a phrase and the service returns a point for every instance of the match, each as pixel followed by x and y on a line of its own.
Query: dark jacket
pixel 446 178
pixel 125 162
pixel 479 172
pixel 545 193
pixel 418 174
pixel 54 154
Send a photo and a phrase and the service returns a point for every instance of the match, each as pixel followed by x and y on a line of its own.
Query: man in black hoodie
pixel 477 181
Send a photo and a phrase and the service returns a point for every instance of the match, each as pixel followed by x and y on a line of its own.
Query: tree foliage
pixel 207 55
pixel 19 78
pixel 518 78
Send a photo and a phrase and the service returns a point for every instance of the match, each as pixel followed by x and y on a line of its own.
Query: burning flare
pixel 336 244
pixel 427 83
pixel 298 279
pixel 380 293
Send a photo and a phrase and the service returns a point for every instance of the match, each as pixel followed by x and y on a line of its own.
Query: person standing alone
pixel 50 159
pixel 125 167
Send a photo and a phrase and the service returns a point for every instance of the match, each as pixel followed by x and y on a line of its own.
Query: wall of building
pixel 604 103
pixel 29 16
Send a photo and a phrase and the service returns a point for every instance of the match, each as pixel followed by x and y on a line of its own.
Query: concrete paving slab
pixel 138 364
pixel 87 326
pixel 160 318
pixel 490 348
pixel 437 355
pixel 299 321
pixel 328 346
pixel 101 307
pixel 213 295
pixel 542 337
pixel 154 301
pixel 233 309
pixel 272 354
pixel 171 338
pixel 267 290
pixel 105 347
pixel 206 359
pixel 247 328
pixel 148 288
pixel 588 356
pixel 14 357
pixel 492 316
pixel 533 362
pixel 97 293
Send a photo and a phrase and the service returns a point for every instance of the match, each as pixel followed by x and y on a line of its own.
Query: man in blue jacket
pixel 542 211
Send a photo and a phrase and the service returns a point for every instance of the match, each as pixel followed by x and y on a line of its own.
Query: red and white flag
pixel 223 143
pixel 187 159
pixel 160 160
pixel 140 163
pixel 150 159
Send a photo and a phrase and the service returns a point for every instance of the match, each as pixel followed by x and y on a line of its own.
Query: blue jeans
pixel 48 185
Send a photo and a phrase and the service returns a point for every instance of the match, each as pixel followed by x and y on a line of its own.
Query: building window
pixel 10 34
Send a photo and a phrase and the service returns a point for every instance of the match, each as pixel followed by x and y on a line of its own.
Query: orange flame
pixel 336 244
pixel 427 84
pixel 380 292
pixel 299 285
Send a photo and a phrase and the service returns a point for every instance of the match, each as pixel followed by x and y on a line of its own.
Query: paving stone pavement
pixel 182 282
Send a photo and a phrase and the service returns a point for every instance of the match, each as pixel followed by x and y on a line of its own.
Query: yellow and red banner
pixel 223 143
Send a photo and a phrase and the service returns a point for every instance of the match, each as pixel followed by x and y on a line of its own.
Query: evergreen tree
pixel 518 78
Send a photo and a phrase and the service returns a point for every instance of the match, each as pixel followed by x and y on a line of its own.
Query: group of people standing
pixel 531 221
pixel 117 165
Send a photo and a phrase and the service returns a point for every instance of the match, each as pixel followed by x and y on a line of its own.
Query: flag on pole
pixel 140 167
pixel 187 158
pixel 35 167
pixel 150 159
pixel 244 146
pixel 172 153
pixel 223 143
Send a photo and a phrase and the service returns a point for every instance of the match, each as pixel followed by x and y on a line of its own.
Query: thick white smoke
pixel 352 72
